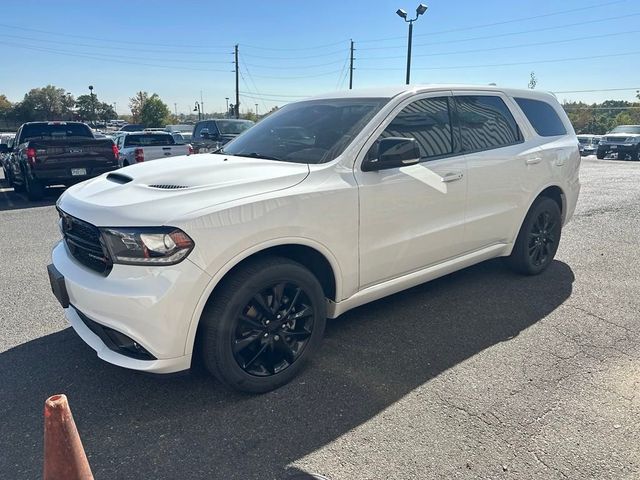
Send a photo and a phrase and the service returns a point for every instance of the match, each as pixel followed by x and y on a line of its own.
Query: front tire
pixel 538 239
pixel 262 325
pixel 600 154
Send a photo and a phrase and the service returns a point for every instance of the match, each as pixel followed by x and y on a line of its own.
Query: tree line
pixel 54 103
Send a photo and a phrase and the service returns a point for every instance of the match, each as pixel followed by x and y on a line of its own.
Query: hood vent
pixel 168 187
pixel 119 178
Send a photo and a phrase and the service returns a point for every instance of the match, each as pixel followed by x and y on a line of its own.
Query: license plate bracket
pixel 58 286
pixel 78 172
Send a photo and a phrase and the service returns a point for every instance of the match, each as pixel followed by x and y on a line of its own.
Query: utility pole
pixel 256 110
pixel 237 105
pixel 175 108
pixel 351 68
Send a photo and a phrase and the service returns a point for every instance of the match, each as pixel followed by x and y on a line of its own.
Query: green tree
pixel 136 103
pixel 154 113
pixel 47 103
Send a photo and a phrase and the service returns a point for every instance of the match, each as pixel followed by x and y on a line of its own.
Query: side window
pixel 542 116
pixel 485 123
pixel 428 121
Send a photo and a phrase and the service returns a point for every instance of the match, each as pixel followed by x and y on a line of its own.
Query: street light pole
pixel 227 114
pixel 401 13
pixel 197 109
pixel 93 104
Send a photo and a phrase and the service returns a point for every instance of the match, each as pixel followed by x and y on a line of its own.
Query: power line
pixel 600 90
pixel 293 66
pixel 110 60
pixel 252 81
pixel 531 62
pixel 503 22
pixel 502 35
pixel 507 47
pixel 303 57
pixel 316 47
pixel 111 40
pixel 323 74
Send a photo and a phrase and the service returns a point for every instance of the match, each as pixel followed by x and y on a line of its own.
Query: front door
pixel 413 217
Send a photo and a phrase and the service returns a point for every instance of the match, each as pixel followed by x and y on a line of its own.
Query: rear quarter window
pixel 148 140
pixel 542 116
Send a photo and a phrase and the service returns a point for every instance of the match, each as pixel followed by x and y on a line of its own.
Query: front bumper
pixel 626 149
pixel 153 306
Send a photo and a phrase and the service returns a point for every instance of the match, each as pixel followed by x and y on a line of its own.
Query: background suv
pixel 238 258
pixel 623 140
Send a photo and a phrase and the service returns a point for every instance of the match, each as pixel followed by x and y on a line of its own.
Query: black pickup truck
pixel 54 153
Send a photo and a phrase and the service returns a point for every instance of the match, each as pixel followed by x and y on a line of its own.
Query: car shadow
pixel 12 200
pixel 134 425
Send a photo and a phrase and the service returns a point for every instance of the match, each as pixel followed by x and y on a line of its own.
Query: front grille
pixel 616 139
pixel 84 242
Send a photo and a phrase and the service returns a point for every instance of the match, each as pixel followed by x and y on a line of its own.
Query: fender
pixel 220 274
pixel 530 203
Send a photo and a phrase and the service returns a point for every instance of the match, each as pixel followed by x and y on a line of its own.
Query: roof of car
pixel 392 91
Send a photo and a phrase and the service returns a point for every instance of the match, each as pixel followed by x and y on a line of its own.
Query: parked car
pixel 48 153
pixel 184 130
pixel 588 144
pixel 238 258
pixel 623 140
pixel 6 141
pixel 209 135
pixel 132 127
pixel 137 147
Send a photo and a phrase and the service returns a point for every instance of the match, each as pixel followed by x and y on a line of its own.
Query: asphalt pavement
pixel 480 374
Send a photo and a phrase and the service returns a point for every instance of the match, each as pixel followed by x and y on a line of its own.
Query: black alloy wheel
pixel 538 239
pixel 273 329
pixel 543 239
pixel 262 324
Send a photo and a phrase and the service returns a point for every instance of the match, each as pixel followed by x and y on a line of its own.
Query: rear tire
pixel 600 155
pixel 34 188
pixel 538 239
pixel 262 325
pixel 635 156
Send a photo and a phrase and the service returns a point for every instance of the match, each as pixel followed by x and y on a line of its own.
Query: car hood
pixel 156 192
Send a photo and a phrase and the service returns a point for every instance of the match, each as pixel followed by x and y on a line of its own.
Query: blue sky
pixel 290 49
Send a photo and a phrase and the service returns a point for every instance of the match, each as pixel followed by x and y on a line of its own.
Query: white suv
pixel 239 257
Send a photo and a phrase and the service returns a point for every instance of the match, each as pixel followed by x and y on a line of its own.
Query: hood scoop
pixel 119 178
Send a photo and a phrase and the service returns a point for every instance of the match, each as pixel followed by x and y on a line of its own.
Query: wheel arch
pixel 315 256
pixel 552 191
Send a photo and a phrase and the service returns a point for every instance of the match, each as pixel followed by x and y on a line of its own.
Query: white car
pixel 137 147
pixel 325 205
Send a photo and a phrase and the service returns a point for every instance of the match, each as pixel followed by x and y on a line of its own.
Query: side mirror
pixel 392 152
pixel 204 133
pixel 4 148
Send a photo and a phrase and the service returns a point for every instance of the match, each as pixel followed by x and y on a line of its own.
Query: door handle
pixel 452 177
pixel 533 161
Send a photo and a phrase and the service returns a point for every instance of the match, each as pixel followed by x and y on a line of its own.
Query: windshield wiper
pixel 258 155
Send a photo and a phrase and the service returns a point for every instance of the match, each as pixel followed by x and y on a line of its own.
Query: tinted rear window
pixel 148 140
pixel 486 123
pixel 58 130
pixel 542 116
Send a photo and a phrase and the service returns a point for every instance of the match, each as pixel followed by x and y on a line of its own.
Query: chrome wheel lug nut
pixel 266 335
pixel 277 337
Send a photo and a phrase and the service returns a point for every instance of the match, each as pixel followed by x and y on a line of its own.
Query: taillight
pixel 190 151
pixel 116 152
pixel 31 156
pixel 139 154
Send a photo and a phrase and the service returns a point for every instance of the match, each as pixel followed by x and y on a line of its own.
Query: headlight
pixel 632 140
pixel 147 246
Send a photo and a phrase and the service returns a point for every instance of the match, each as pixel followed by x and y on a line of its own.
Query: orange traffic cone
pixel 64 457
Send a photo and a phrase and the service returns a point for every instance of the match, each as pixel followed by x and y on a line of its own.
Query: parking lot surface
pixel 480 374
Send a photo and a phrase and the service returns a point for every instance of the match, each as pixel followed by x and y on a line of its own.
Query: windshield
pixel 634 129
pixel 315 131
pixel 228 127
pixel 54 130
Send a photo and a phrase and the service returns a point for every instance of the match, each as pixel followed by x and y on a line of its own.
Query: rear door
pixel 413 217
pixel 499 163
